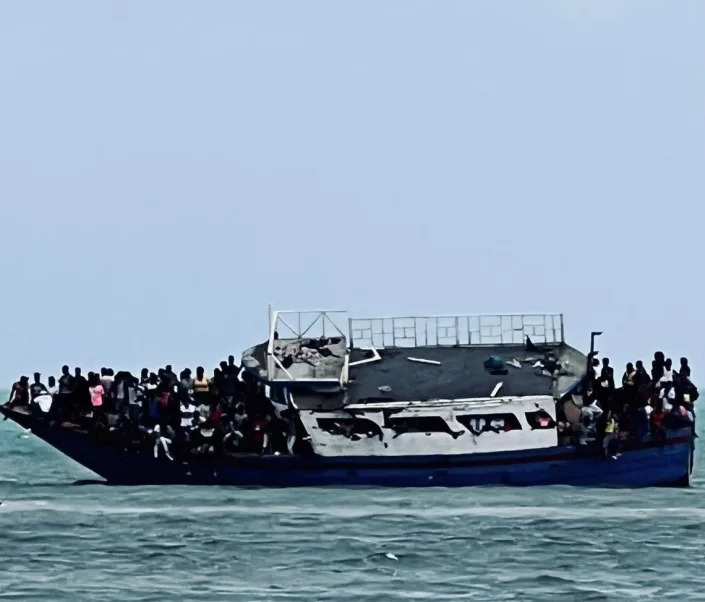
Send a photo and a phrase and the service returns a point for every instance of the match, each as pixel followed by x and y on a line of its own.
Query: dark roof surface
pixel 461 373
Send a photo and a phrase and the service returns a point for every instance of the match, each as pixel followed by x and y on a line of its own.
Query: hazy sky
pixel 169 168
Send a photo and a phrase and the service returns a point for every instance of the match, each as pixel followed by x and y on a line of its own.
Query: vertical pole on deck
pixel 269 335
pixel 591 355
pixel 562 330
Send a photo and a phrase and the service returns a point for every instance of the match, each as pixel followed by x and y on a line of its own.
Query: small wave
pixel 542 514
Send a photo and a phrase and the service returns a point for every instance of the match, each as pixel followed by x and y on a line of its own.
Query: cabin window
pixel 495 423
pixel 540 419
pixel 417 424
pixel 349 427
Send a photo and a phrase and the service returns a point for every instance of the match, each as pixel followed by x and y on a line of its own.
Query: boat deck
pixel 460 373
pixel 415 358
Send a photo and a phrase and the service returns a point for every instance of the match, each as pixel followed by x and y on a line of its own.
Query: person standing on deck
pixel 201 388
pixel 66 386
pixel 97 393
pixel 629 384
pixel 667 395
pixel 216 384
pixel 228 388
pixel 120 391
pixel 657 366
pixel 642 380
pixel 37 388
pixel 19 393
pixel 610 435
pixel 150 410
pixel 134 395
pixel 684 371
pixel 107 380
pixel 81 394
pixel 169 378
pixel 261 435
pixel 605 388
pixel 233 370
pixel 188 422
pixel 52 387
pixel 667 376
pixel 186 383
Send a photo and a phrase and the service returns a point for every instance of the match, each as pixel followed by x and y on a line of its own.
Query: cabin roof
pixel 412 358
pixel 460 373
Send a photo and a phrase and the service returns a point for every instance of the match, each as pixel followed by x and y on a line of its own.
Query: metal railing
pixel 291 324
pixel 433 331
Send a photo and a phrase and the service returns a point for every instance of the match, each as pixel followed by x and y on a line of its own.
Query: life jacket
pixel 201 386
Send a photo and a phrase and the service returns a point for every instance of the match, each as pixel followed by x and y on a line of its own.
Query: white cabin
pixel 438 385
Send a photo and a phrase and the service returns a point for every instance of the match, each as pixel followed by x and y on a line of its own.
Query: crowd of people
pixel 646 403
pixel 174 416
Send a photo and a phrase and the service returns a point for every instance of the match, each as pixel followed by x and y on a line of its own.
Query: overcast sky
pixel 169 168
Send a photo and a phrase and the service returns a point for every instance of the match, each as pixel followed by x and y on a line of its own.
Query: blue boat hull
pixel 646 464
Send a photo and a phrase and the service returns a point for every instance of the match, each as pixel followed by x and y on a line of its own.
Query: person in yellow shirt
pixel 611 428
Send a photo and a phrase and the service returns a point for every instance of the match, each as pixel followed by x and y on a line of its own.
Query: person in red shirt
pixel 217 414
pixel 261 434
pixel 657 417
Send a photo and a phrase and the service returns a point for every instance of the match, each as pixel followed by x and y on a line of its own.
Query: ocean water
pixel 60 541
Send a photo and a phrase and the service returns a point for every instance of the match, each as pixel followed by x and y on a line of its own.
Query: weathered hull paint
pixel 644 465
pixel 434 443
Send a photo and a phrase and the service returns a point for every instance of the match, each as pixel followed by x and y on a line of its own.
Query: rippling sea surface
pixel 60 541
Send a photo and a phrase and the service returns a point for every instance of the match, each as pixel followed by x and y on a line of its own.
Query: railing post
pixel 562 331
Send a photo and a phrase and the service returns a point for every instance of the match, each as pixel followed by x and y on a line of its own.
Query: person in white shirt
pixel 188 414
pixel 46 396
pixel 107 379
pixel 589 415
pixel 667 373
pixel 52 387
pixel 667 395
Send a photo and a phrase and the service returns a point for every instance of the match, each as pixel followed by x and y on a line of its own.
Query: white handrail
pixel 467 329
